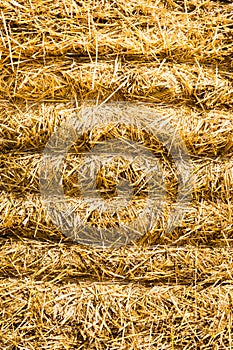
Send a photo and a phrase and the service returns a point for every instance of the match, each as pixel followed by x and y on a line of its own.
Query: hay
pixel 205 222
pixel 62 263
pixel 20 172
pixel 27 127
pixel 102 316
pixel 63 79
pixel 167 290
pixel 37 29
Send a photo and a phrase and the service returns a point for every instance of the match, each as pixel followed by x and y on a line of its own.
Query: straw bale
pixel 38 29
pixel 93 316
pixel 27 127
pixel 63 263
pixel 20 172
pixel 204 223
pixel 60 80
pixel 167 290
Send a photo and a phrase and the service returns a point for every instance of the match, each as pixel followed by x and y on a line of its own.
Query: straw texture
pixel 165 290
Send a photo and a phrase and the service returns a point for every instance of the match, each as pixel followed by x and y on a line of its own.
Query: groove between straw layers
pixel 119 317
pixel 201 30
pixel 27 127
pixel 63 263
pixel 212 180
pixel 63 79
pixel 205 222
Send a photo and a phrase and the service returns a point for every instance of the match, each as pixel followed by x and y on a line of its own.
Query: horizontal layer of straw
pixel 94 316
pixel 205 223
pixel 27 127
pixel 61 80
pixel 200 30
pixel 64 263
pixel 212 178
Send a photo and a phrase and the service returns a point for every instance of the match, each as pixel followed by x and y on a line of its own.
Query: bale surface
pixel 166 290
pixel 91 316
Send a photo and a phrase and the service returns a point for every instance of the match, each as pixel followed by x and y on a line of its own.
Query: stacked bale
pixel 167 290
